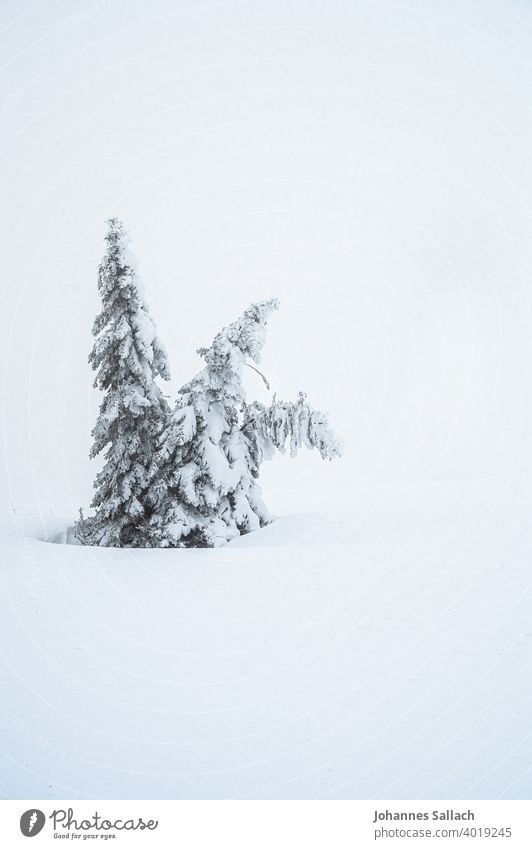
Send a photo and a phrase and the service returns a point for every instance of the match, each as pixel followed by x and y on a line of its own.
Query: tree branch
pixel 267 385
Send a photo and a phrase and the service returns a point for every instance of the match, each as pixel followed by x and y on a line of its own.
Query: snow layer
pixel 382 653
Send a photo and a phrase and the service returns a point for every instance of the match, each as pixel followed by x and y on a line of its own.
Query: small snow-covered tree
pixel 127 357
pixel 210 492
pixel 214 444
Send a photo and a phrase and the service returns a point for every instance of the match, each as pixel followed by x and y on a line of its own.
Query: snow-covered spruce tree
pixel 214 444
pixel 127 357
pixel 210 494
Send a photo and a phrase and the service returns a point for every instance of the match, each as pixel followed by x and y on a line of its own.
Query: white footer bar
pixel 267 824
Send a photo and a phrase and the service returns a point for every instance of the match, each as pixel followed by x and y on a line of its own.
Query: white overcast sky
pixel 366 162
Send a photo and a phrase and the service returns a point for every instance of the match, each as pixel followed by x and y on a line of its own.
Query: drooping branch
pixel 267 385
pixel 293 423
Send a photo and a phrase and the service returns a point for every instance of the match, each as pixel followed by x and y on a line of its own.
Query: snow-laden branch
pixel 292 424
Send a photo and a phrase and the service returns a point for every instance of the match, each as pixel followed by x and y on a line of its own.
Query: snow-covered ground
pixel 379 653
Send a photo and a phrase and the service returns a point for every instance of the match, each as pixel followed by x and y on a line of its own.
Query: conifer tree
pixel 127 357
pixel 215 443
pixel 210 496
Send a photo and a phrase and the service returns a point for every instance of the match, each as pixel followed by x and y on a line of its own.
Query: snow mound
pixel 67 536
pixel 38 526
pixel 299 529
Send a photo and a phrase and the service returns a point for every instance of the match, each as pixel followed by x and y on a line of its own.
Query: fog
pixel 366 162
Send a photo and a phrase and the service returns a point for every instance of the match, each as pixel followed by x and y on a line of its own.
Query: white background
pixel 366 162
